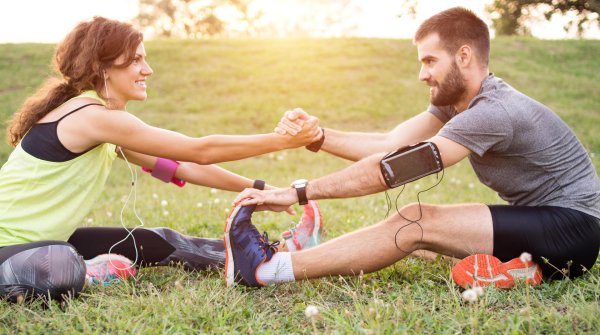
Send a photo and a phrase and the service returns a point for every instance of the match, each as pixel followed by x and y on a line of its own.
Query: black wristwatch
pixel 316 146
pixel 259 184
pixel 300 186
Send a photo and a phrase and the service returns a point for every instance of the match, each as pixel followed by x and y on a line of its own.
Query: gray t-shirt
pixel 523 150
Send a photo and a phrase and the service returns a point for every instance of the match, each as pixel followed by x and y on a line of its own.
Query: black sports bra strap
pixel 75 110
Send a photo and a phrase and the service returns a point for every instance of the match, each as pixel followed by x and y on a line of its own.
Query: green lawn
pixel 243 87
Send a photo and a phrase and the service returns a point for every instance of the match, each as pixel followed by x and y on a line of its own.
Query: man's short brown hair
pixel 456 27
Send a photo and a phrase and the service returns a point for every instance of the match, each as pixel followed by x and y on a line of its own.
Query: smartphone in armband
pixel 410 163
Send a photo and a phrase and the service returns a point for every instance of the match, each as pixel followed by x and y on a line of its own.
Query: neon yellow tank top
pixel 41 200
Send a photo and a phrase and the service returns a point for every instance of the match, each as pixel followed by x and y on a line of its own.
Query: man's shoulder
pixel 497 89
pixel 443 113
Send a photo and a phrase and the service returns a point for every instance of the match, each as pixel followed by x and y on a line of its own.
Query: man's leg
pixel 451 230
pixel 432 256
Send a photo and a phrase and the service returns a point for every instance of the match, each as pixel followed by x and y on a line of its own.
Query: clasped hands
pixel 293 123
pixel 299 128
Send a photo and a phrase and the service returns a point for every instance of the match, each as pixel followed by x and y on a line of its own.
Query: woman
pixel 66 137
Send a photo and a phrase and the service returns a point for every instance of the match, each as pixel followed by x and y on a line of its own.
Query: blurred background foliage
pixel 192 19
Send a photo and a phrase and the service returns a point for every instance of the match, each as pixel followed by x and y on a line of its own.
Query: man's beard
pixel 451 90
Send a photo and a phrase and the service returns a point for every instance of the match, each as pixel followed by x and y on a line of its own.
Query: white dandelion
pixel 469 295
pixel 311 311
pixel 525 257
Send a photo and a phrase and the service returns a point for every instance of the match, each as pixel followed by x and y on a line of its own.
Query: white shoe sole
pixel 229 264
pixel 317 218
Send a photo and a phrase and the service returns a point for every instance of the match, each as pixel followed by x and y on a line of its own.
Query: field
pixel 243 87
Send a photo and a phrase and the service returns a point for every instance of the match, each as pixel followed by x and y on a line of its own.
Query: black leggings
pixel 558 238
pixel 55 269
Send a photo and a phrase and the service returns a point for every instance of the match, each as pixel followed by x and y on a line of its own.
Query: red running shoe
pixel 482 270
pixel 307 233
pixel 106 269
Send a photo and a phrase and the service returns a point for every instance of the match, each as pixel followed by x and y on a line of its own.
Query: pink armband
pixel 165 169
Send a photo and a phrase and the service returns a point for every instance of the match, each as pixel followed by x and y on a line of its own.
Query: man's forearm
pixel 353 145
pixel 360 178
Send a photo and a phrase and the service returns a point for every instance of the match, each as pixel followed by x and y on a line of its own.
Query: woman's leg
pixel 164 246
pixel 154 246
pixel 51 269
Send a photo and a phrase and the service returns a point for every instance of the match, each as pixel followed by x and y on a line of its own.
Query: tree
pixel 509 17
pixel 588 12
pixel 194 18
pixel 310 18
pixel 199 18
pixel 409 9
pixel 247 18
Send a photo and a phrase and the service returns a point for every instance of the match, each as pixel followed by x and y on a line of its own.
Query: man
pixel 517 146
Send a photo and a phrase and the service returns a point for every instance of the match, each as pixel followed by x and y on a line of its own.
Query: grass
pixel 242 87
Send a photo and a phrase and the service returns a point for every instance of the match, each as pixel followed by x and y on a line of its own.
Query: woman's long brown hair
pixel 80 60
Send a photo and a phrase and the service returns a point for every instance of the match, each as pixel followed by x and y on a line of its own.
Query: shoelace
pixel 103 274
pixel 266 246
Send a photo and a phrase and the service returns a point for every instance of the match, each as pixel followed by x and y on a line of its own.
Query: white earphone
pixel 132 191
pixel 105 84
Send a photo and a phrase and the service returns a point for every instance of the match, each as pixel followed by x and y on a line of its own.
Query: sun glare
pixel 49 21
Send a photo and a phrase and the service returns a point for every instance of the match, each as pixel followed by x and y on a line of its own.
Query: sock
pixel 278 270
pixel 289 242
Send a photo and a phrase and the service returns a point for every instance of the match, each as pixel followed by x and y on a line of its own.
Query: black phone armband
pixel 410 163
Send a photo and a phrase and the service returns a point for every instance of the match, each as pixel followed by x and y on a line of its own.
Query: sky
pixel 49 21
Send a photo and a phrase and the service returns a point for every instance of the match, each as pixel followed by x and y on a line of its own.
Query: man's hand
pixel 306 134
pixel 274 200
pixel 292 122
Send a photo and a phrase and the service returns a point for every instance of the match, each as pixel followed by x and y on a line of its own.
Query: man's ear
pixel 464 56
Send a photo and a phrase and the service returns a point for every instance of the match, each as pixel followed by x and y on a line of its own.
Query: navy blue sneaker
pixel 245 248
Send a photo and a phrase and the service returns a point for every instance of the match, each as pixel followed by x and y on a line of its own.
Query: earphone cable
pixel 133 191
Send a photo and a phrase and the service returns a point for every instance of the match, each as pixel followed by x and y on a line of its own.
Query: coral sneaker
pixel 482 270
pixel 245 248
pixel 307 233
pixel 106 269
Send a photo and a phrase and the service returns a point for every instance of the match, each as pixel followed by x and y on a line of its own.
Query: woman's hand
pixel 277 200
pixel 292 122
pixel 303 135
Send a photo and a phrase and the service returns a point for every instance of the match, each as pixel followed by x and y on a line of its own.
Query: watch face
pixel 299 183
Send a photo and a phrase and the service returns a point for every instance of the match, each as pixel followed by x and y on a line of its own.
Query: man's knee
pixel 52 271
pixel 407 225
pixel 415 213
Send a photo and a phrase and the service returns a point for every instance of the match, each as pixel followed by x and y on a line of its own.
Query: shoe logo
pixel 488 279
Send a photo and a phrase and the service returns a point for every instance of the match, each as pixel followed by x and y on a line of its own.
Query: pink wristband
pixel 165 169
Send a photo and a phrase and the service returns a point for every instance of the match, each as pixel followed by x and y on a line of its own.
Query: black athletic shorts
pixel 557 238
